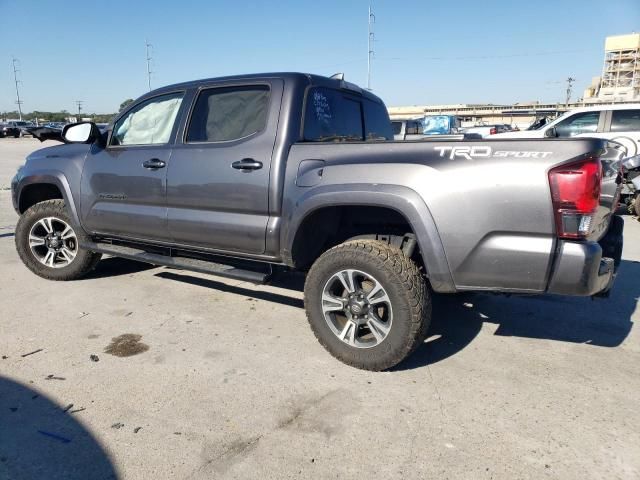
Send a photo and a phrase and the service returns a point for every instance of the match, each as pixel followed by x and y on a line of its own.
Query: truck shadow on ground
pixel 290 282
pixel 458 319
pixel 39 439
pixel 603 322
pixel 114 267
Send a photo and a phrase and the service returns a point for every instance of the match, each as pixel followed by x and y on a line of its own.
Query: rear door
pixel 218 180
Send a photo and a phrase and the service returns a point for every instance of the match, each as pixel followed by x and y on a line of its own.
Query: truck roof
pixel 292 77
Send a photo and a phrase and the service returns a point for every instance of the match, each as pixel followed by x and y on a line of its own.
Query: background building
pixel 621 72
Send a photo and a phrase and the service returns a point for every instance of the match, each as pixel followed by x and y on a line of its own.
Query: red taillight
pixel 575 191
pixel 493 131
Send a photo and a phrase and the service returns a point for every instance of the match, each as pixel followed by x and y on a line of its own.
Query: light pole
pixel 370 39
pixel 149 48
pixel 15 61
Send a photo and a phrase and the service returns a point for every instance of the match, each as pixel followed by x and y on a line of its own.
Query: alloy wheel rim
pixel 357 308
pixel 53 242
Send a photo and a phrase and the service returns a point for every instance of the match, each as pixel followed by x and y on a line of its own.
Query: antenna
pixel 15 62
pixel 370 40
pixel 570 81
pixel 149 48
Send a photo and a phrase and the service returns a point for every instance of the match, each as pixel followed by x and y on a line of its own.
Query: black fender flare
pixel 402 199
pixel 51 177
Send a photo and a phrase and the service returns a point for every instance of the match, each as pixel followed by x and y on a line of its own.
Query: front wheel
pixel 49 246
pixel 367 303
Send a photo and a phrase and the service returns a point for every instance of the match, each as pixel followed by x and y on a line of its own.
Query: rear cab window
pixel 332 115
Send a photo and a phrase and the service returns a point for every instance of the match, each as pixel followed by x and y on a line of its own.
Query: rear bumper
pixel 588 268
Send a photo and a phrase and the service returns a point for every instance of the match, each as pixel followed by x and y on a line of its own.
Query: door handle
pixel 154 164
pixel 247 164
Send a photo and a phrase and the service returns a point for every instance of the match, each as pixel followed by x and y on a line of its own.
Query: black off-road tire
pixel 406 288
pixel 84 261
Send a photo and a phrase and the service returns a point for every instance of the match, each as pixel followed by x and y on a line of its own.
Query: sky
pixel 426 52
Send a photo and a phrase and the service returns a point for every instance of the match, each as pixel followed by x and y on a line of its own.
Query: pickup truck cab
pixel 249 176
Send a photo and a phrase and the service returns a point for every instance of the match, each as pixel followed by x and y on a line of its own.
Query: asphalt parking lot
pixel 140 372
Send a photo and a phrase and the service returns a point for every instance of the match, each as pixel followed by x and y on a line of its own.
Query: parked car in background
pixel 58 125
pixel 13 128
pixel 486 130
pixel 620 123
pixel 407 129
pixel 415 130
pixel 441 125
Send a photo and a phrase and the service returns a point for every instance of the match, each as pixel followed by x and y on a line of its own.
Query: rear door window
pixel 332 116
pixel 229 113
pixel 586 122
pixel 625 120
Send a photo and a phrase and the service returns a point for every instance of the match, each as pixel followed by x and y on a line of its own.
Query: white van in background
pixel 620 123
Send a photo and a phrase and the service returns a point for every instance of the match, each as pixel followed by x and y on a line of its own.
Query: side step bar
pixel 181 263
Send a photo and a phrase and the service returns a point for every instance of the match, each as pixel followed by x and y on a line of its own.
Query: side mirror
pixel 83 132
pixel 550 133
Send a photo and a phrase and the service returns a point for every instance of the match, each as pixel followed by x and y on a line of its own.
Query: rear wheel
pixel 367 303
pixel 49 246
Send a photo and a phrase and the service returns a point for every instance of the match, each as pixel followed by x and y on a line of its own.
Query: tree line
pixel 62 115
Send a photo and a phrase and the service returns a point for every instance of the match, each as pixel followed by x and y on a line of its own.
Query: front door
pixel 218 179
pixel 123 186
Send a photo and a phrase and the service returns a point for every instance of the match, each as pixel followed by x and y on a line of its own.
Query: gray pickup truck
pixel 253 175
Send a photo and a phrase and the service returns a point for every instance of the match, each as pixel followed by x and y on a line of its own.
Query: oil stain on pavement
pixel 126 345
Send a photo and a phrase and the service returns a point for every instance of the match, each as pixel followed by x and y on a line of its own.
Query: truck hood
pixel 67 150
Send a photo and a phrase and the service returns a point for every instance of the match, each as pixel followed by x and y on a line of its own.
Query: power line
pixel 149 48
pixel 79 103
pixel 15 61
pixel 370 39
pixel 488 57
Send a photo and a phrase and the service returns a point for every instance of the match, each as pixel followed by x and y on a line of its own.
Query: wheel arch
pixel 404 201
pixel 46 186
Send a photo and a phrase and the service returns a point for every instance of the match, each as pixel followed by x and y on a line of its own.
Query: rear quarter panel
pixel 491 206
